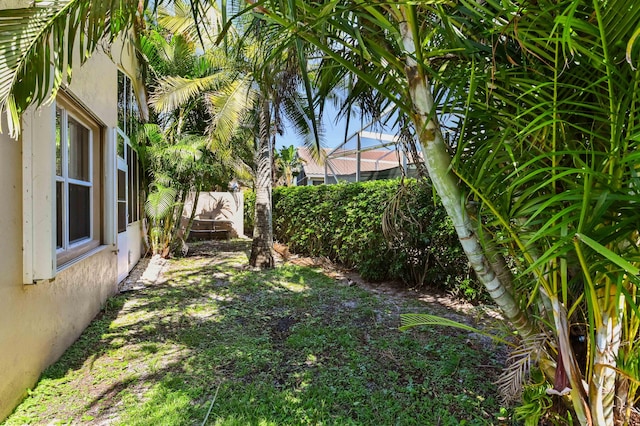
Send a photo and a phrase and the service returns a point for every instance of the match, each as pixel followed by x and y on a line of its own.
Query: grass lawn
pixel 289 346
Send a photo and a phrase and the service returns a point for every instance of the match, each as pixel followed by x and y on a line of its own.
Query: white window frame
pixel 66 180
pixel 130 112
pixel 133 184
pixel 70 252
pixel 41 260
pixel 122 159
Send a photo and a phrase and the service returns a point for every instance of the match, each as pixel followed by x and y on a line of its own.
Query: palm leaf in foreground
pixel 41 43
pixel 416 320
pixel 160 202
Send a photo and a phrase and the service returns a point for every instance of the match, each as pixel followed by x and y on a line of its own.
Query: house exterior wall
pixel 39 321
pixel 135 247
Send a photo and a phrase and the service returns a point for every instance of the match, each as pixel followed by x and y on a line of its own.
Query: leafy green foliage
pixel 38 38
pixel 160 202
pixel 249 211
pixel 287 165
pixel 549 151
pixel 175 168
pixel 345 223
pixel 187 149
pixel 536 404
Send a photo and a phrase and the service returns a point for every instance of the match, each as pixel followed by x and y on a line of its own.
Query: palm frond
pixel 516 373
pixel 231 106
pixel 160 202
pixel 41 43
pixel 183 153
pixel 180 20
pixel 416 320
pixel 173 92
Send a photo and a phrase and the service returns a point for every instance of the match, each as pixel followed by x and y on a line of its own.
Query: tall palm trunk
pixel 262 246
pixel 438 162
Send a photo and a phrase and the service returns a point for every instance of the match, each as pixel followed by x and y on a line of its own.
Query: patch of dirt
pixel 281 326
pixel 147 271
pixel 150 270
pixel 441 303
pixel 213 247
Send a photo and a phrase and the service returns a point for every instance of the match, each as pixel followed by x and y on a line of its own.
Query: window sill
pixel 91 248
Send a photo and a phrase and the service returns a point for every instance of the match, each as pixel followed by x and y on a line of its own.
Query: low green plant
pixel 535 406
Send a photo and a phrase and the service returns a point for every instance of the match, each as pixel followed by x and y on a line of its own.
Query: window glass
pixel 132 169
pixel 75 191
pixel 122 217
pixel 122 101
pixel 78 151
pixel 128 111
pixel 122 185
pixel 128 116
pixel 59 213
pixel 79 213
pixel 130 186
pixel 133 114
pixel 122 201
pixel 136 187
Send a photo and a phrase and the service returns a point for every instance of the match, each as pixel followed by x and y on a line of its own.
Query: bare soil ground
pixel 438 302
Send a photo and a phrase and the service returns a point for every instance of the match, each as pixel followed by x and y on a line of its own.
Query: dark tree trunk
pixel 262 246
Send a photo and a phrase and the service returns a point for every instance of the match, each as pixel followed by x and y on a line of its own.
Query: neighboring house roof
pixel 370 161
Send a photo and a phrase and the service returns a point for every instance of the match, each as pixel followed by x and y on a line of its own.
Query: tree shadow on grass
pixel 285 346
pixel 88 344
pixel 215 247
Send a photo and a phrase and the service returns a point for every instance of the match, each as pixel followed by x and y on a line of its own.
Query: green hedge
pixel 249 212
pixel 344 223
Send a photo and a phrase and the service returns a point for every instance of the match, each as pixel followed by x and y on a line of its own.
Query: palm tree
pixel 547 156
pixel 287 164
pixel 185 155
pixel 248 82
pixel 563 118
pixel 177 167
pixel 278 77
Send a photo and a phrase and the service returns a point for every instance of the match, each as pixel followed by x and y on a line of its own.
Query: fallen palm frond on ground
pixel 290 346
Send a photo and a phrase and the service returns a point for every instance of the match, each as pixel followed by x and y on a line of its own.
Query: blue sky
pixel 334 131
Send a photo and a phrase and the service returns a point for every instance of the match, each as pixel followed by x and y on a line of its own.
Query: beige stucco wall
pixel 218 205
pixel 38 322
pixel 12 4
